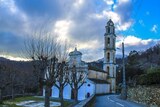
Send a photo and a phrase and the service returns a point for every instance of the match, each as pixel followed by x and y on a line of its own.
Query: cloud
pixel 109 2
pixel 132 42
pixel 81 22
pixel 61 28
pixel 154 28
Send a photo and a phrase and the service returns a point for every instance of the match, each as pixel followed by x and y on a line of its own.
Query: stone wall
pixel 87 102
pixel 149 95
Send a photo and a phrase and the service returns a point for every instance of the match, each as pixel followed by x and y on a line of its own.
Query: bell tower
pixel 109 64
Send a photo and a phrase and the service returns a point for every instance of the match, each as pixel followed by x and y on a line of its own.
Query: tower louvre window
pixel 108 69
pixel 108 29
pixel 108 41
pixel 108 57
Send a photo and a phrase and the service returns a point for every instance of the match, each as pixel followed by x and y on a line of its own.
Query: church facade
pixel 97 80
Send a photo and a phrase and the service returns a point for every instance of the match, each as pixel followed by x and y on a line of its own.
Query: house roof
pixel 98 81
pixel 96 69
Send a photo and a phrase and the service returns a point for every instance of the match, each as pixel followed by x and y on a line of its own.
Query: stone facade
pixel 149 95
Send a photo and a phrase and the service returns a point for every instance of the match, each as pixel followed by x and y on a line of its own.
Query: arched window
pixel 108 69
pixel 108 57
pixel 108 41
pixel 109 30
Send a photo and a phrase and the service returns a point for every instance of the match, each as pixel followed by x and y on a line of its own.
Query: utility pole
pixel 124 90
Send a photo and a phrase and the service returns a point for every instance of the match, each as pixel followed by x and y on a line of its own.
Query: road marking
pixel 120 104
pixel 111 100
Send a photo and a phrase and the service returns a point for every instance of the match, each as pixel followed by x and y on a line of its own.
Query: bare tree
pixel 62 79
pixel 48 61
pixel 77 76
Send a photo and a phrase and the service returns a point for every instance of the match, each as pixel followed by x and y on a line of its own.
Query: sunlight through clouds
pixel 61 29
pixel 81 22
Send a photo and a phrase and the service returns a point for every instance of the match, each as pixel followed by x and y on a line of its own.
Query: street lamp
pixel 124 90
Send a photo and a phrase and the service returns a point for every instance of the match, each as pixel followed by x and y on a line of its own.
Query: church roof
pixel 96 69
pixel 98 81
pixel 75 52
pixel 110 22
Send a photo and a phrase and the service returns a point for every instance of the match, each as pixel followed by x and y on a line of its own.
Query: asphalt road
pixel 114 101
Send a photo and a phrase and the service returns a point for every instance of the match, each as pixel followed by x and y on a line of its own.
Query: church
pixel 98 80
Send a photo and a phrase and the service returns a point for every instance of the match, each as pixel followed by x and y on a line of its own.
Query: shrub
pixel 149 78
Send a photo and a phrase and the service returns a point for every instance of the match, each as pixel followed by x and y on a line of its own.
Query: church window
pixel 108 40
pixel 109 30
pixel 108 57
pixel 108 69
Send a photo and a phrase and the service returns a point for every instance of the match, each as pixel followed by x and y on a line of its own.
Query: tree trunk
pixel 47 96
pixel 61 96
pixel 0 96
pixel 76 95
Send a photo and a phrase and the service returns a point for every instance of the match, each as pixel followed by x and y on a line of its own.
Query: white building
pixel 99 80
pixel 87 89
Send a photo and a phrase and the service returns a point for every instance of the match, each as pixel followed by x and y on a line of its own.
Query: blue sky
pixel 81 22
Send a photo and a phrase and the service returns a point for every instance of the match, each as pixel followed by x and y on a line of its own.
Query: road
pixel 114 101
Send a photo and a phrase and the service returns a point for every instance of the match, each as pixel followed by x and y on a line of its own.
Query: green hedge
pixel 149 78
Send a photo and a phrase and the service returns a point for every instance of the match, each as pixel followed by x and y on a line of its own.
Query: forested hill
pixel 149 58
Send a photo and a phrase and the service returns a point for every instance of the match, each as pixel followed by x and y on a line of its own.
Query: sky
pixel 81 22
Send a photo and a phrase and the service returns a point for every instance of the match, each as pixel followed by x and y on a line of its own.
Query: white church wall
pixel 88 87
pixel 67 92
pixel 55 92
pixel 82 92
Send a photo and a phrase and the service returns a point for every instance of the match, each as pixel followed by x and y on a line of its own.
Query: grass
pixel 12 103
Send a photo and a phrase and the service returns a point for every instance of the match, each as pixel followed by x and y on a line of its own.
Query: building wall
pixel 102 88
pixel 113 85
pixel 97 75
pixel 88 87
